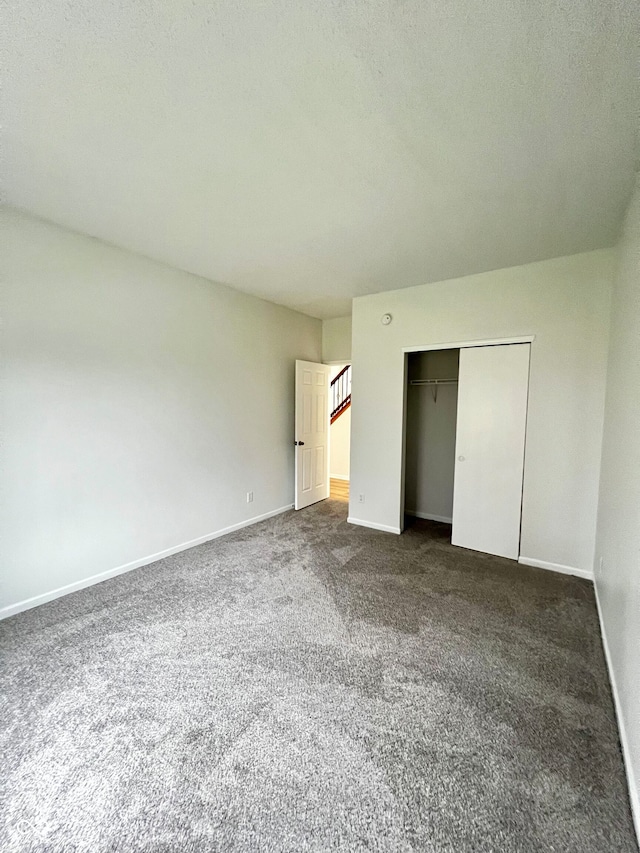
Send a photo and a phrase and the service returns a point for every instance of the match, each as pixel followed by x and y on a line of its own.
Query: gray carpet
pixel 307 685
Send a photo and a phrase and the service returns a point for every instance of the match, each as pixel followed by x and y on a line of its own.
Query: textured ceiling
pixel 309 151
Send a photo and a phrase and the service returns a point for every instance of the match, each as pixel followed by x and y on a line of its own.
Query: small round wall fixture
pixel 386 319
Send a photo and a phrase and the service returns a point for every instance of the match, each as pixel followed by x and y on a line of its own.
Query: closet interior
pixel 432 399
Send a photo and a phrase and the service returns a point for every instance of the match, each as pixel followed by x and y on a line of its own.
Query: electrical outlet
pixel 249 497
pixel 361 499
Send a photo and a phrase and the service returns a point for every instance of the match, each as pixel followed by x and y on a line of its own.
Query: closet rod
pixel 433 381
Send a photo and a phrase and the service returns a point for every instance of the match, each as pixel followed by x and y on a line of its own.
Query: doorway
pixel 464 441
pixel 340 430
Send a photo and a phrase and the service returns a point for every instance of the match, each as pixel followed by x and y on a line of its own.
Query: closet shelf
pixel 433 381
pixel 433 384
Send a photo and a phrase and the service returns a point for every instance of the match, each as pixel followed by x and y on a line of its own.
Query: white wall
pixel 340 446
pixel 140 405
pixel 431 435
pixel 618 534
pixel 336 340
pixel 563 302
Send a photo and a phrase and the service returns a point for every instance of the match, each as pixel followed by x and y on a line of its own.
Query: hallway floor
pixel 339 490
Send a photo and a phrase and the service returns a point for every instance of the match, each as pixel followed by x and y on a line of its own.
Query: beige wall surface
pixel 336 340
pixel 140 405
pixel 565 304
pixel 618 535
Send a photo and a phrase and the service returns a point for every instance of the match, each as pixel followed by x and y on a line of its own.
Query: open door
pixel 312 433
pixel 492 413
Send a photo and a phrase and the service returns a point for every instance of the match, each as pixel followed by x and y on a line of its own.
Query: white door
pixel 493 386
pixel 312 433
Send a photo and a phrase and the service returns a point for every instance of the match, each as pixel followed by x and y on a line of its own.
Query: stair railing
pixel 340 392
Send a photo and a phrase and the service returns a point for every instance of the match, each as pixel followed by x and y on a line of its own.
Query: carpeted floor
pixel 307 685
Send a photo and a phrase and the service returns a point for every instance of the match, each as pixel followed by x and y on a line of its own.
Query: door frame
pixel 488 342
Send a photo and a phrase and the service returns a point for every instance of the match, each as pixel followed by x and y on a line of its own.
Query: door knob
pixel 300 443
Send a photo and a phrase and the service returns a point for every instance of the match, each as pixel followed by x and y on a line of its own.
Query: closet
pixel 432 397
pixel 465 427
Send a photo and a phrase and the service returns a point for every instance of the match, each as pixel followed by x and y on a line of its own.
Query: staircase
pixel 340 393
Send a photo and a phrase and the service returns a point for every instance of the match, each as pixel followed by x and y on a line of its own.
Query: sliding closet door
pixel 492 411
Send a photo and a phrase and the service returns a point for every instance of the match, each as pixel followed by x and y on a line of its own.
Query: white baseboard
pixel 384 527
pixel 634 794
pixel 556 567
pixel 28 603
pixel 428 516
pixel 338 477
